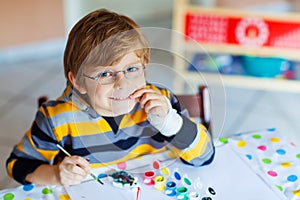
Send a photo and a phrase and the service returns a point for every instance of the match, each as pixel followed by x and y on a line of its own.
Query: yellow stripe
pixel 133 119
pixel 82 129
pixel 60 108
pixel 162 91
pixel 47 154
pixel 196 151
pixel 138 151
pixel 10 167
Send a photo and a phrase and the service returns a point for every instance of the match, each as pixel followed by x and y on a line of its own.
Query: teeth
pixel 119 98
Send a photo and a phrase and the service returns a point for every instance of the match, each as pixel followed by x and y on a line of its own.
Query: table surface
pixel 230 175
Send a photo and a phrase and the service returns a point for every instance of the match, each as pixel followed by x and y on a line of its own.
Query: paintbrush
pixel 92 175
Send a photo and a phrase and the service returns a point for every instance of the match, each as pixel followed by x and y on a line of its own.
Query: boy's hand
pixel 73 170
pixel 152 101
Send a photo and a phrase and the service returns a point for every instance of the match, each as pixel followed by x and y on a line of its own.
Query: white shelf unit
pixel 181 46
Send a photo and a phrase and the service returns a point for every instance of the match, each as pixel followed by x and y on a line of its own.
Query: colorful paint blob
pixel 156 165
pixel 122 165
pixel 266 160
pixel 286 164
pixel 272 173
pixel 165 171
pixel 256 136
pixel 279 187
pixel 292 178
pixel 249 156
pixel 262 147
pixel 241 143
pixel 177 175
pixel 187 181
pixel 296 193
pixel 47 191
pixel 9 196
pixel 281 151
pixel 275 139
pixel 64 197
pixel 223 140
pixel 28 187
pixel 102 175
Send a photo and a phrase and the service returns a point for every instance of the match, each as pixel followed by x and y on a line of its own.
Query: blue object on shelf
pixel 268 67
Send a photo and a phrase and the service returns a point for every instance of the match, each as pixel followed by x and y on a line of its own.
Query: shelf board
pixel 249 82
pixel 193 46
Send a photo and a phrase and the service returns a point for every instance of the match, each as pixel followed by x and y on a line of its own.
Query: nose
pixel 120 80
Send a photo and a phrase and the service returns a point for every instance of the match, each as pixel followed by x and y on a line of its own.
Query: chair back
pixel 198 105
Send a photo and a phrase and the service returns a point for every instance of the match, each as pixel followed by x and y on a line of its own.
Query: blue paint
pixel 292 178
pixel 281 151
pixel 28 187
pixel 249 156
pixel 177 176
pixel 271 129
pixel 102 176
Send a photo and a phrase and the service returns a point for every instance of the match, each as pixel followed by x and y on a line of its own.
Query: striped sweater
pixel 72 123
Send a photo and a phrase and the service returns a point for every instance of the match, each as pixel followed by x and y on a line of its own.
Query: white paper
pixel 228 175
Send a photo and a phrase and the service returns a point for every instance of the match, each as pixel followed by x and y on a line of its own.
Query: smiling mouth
pixel 119 98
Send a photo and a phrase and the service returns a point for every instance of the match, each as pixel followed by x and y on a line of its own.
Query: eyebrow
pixel 99 69
pixel 124 67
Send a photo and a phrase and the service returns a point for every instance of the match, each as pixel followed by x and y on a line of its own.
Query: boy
pixel 107 113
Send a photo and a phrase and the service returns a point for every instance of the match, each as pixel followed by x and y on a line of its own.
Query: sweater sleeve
pixel 37 147
pixel 192 143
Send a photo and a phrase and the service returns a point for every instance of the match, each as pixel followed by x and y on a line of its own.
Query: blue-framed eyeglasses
pixel 109 76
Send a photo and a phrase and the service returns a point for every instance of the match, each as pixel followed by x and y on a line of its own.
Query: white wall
pixel 139 10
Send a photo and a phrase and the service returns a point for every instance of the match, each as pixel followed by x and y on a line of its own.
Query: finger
pixel 75 169
pixel 72 174
pixel 69 178
pixel 76 164
pixel 140 92
pixel 153 104
pixel 149 97
pixel 81 162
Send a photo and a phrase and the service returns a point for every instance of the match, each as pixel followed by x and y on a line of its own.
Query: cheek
pixel 141 81
pixel 98 95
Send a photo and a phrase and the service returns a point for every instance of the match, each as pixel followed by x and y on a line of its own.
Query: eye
pixel 106 74
pixel 132 69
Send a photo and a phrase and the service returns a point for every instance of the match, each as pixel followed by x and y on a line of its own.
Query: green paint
pixel 47 191
pixel 223 140
pixel 298 156
pixel 8 196
pixel 256 136
pixel 279 187
pixel 266 160
pixel 187 181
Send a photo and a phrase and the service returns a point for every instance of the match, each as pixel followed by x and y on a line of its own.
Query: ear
pixel 75 83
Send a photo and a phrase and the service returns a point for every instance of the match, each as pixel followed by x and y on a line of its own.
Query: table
pixel 233 175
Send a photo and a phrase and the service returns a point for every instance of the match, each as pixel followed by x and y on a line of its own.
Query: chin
pixel 121 109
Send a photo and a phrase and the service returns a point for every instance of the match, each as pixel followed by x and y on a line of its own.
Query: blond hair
pixel 102 38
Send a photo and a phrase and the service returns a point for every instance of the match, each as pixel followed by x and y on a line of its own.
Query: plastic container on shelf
pixel 269 67
pixel 216 63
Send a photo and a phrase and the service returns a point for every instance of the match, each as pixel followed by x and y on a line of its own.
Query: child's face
pixel 113 99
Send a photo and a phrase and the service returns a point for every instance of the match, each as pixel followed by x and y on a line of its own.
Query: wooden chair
pixel 198 105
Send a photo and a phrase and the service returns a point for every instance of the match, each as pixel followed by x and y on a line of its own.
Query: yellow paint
pixel 286 165
pixel 296 193
pixel 241 143
pixel 64 197
pixel 275 140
